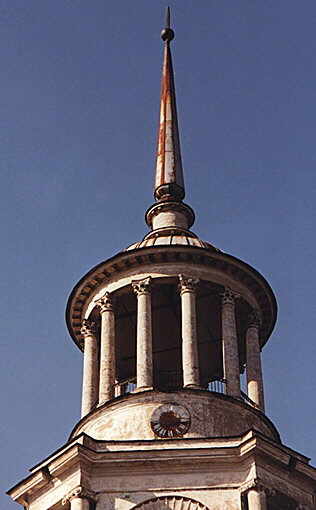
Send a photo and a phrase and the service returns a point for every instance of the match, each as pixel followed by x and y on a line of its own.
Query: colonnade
pixel 257 495
pixel 99 375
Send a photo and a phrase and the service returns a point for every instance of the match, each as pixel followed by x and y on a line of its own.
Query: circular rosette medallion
pixel 170 420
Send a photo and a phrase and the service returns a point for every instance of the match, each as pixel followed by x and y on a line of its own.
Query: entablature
pixel 169 261
pixel 58 476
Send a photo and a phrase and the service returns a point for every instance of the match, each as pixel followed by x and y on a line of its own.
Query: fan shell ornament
pixel 170 421
pixel 170 503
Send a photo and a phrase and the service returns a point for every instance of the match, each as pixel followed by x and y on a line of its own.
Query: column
pixel 79 504
pixel 144 349
pixel 254 370
pixel 257 499
pixel 107 349
pixel 190 355
pixel 90 378
pixel 79 498
pixel 230 344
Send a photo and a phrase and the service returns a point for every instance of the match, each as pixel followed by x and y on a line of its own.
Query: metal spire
pixel 167 17
pixel 169 183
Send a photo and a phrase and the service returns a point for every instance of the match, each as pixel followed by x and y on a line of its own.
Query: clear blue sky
pixel 79 112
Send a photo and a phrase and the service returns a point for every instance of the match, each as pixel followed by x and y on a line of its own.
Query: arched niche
pixel 170 502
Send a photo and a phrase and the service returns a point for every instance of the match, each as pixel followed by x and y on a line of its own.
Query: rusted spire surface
pixel 169 183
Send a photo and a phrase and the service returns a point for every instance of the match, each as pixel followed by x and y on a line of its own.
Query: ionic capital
pixel 105 303
pixel 79 492
pixel 187 284
pixel 257 485
pixel 254 319
pixel 229 296
pixel 88 328
pixel 142 286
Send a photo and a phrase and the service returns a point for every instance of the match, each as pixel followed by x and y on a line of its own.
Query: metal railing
pixel 169 380
pixel 218 385
pixel 124 387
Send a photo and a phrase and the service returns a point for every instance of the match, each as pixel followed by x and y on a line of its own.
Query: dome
pixel 172 237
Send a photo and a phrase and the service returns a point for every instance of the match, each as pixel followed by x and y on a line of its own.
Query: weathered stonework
pixel 216 473
pixel 190 356
pixel 254 370
pixel 157 261
pixel 107 350
pixel 90 380
pixel 230 343
pixel 81 493
pixel 144 369
pixel 212 415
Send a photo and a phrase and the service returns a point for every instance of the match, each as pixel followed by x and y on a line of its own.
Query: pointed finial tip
pixel 167 34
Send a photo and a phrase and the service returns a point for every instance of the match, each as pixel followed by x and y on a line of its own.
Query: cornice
pixel 191 255
pixel 90 452
pixel 20 491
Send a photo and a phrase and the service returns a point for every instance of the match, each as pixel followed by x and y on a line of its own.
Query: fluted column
pixel 107 348
pixel 90 379
pixel 230 344
pixel 144 354
pixel 190 355
pixel 79 498
pixel 257 499
pixel 254 370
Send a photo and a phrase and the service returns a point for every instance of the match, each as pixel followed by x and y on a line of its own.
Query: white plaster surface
pixel 129 418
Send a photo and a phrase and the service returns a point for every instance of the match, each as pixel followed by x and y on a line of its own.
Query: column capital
pixel 142 286
pixel 79 492
pixel 257 485
pixel 229 296
pixel 88 328
pixel 187 283
pixel 105 303
pixel 254 318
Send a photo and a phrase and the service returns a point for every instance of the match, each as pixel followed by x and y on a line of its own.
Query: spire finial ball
pixel 167 34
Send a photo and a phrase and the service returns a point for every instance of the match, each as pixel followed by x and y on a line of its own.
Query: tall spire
pixel 168 213
pixel 169 183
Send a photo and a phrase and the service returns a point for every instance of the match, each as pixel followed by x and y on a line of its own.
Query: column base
pixel 143 388
pixel 193 387
pixel 105 400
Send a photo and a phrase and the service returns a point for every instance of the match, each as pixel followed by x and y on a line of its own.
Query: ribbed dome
pixel 172 237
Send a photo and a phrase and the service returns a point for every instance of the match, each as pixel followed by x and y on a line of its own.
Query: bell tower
pixel 166 328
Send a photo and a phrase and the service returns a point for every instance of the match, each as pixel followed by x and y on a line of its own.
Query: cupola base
pixel 195 414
